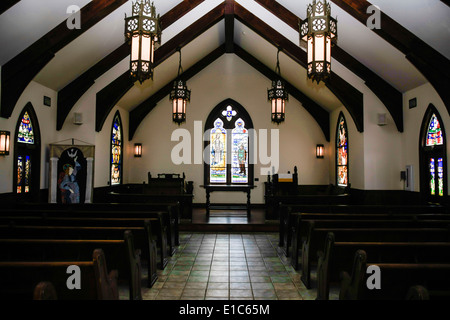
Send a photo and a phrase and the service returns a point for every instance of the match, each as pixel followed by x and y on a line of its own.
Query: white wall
pixel 425 95
pixel 230 77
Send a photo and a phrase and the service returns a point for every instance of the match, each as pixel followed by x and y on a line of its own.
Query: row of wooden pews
pixel 113 241
pixel 415 241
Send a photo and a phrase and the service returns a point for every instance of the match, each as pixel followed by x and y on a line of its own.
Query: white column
pixel 53 183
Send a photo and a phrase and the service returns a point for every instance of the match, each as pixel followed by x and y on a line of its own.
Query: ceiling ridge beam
pixel 111 94
pixel 390 96
pixel 21 70
pixel 321 115
pixel 71 93
pixel 426 59
pixel 351 98
pixel 229 25
pixel 6 4
pixel 141 111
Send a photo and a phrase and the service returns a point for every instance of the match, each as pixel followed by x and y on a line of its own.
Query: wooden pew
pixel 45 290
pixel 19 279
pixel 337 257
pixel 142 238
pixel 315 240
pixel 396 279
pixel 121 255
pixel 165 211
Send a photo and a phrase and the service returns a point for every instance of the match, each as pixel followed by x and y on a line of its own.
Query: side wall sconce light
pixel 137 150
pixel 4 143
pixel 319 151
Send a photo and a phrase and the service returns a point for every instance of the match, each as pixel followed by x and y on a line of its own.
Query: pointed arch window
pixel 229 145
pixel 433 157
pixel 27 154
pixel 342 152
pixel 116 150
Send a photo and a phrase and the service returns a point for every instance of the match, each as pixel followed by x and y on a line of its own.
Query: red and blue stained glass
pixel 25 134
pixel 434 134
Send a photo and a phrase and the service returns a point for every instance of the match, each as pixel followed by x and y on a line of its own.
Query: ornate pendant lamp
pixel 143 33
pixel 278 95
pixel 318 33
pixel 179 95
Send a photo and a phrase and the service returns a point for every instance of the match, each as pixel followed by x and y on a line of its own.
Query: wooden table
pixel 228 188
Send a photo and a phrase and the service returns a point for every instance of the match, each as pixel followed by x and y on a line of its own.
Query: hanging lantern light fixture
pixel 318 33
pixel 179 95
pixel 278 95
pixel 143 33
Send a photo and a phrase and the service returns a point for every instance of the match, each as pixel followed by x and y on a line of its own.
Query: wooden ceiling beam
pixel 111 94
pixel 6 4
pixel 229 25
pixel 70 94
pixel 350 97
pixel 321 115
pixel 433 65
pixel 391 97
pixel 141 111
pixel 21 70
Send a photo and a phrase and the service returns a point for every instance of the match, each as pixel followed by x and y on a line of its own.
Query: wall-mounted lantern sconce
pixel 319 151
pixel 137 150
pixel 4 143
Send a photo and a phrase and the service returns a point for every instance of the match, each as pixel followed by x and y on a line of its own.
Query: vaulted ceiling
pixel 411 48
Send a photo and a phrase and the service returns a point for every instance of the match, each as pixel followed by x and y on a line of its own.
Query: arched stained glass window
pixel 25 134
pixel 433 182
pixel 229 145
pixel 27 154
pixel 434 134
pixel 116 150
pixel 342 152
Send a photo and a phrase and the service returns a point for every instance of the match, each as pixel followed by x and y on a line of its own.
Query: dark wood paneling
pixel 350 97
pixel 119 88
pixel 433 65
pixel 318 113
pixel 68 96
pixel 19 71
pixel 391 97
pixel 140 112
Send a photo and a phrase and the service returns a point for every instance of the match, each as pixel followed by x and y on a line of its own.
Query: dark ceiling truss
pixel 111 94
pixel 391 97
pixel 21 70
pixel 350 97
pixel 6 4
pixel 70 94
pixel 433 65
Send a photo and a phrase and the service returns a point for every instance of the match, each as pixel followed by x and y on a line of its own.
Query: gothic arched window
pixel 342 152
pixel 116 150
pixel 229 145
pixel 433 157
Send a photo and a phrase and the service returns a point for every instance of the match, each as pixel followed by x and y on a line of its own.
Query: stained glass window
pixel 218 163
pixel 239 169
pixel 342 152
pixel 116 151
pixel 440 170
pixel 432 177
pixel 20 169
pixel 25 134
pixel 434 134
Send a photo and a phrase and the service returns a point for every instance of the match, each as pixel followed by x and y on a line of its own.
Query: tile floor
pixel 228 266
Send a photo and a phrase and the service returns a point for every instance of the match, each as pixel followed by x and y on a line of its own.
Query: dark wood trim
pixel 447 2
pixel 6 4
pixel 351 98
pixel 69 95
pixel 426 59
pixel 229 25
pixel 20 71
pixel 318 113
pixel 391 97
pixel 140 112
pixel 111 94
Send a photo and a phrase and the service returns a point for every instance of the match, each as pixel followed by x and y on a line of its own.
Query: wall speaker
pixel 382 119
pixel 77 118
